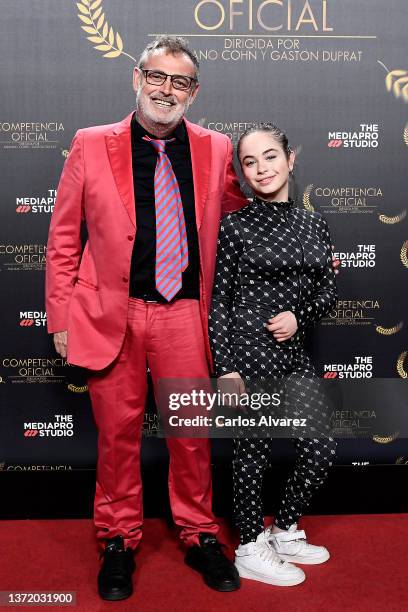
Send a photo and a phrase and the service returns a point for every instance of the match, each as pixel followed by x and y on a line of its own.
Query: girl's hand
pixel 283 326
pixel 231 383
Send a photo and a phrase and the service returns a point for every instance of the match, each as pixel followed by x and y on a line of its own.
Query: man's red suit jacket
pixel 87 292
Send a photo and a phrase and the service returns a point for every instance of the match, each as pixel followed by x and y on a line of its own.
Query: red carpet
pixel 368 570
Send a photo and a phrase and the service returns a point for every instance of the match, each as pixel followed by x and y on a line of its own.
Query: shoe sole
pixel 227 588
pixel 222 589
pixel 303 560
pixel 244 573
pixel 115 596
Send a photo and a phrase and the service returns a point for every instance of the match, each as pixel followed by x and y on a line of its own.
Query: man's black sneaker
pixel 115 576
pixel 218 572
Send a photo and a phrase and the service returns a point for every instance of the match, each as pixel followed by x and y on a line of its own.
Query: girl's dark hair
pixel 270 128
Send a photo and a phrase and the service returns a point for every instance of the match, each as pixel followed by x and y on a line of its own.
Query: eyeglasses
pixel 178 81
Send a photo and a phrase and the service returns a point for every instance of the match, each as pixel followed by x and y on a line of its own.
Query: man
pixel 151 190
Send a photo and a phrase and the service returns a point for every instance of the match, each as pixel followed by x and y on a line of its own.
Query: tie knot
pixel 158 145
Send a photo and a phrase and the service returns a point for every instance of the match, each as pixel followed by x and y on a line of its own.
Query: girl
pixel 273 258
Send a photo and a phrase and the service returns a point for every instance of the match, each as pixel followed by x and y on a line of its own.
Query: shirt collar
pixel 180 132
pixel 275 204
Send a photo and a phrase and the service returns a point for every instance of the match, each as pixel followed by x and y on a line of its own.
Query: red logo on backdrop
pixel 23 208
pixel 334 143
pixel 26 322
pixel 31 433
pixel 330 375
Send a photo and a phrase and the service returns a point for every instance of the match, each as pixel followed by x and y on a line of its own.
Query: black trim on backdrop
pixel 372 489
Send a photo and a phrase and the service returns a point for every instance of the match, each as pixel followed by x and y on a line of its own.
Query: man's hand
pixel 231 383
pixel 283 326
pixel 60 343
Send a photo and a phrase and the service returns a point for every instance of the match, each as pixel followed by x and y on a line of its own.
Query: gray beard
pixel 161 125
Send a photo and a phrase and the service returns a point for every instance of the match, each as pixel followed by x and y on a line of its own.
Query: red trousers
pixel 169 339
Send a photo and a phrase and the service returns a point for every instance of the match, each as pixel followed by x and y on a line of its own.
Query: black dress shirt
pixel 144 157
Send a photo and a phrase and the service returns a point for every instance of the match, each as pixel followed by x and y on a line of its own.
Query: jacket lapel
pixel 119 147
pixel 118 144
pixel 200 147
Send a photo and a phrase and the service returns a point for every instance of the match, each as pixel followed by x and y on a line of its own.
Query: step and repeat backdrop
pixel 333 74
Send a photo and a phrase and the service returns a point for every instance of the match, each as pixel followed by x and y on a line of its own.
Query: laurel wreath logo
pixel 404 254
pixel 406 134
pixel 397 82
pixel 76 389
pixel 389 331
pixel 392 220
pixel 400 365
pixel 386 439
pixel 306 198
pixel 92 15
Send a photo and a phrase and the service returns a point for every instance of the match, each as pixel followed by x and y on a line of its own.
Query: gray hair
pixel 174 45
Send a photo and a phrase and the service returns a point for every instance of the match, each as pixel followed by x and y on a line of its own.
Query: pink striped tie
pixel 171 235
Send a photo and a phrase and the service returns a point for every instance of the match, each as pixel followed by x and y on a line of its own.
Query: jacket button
pixel 130 237
pixel 125 280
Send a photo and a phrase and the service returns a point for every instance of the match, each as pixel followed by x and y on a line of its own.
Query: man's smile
pixel 163 103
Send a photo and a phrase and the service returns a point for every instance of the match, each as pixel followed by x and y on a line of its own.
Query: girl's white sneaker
pixel 292 546
pixel 259 561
